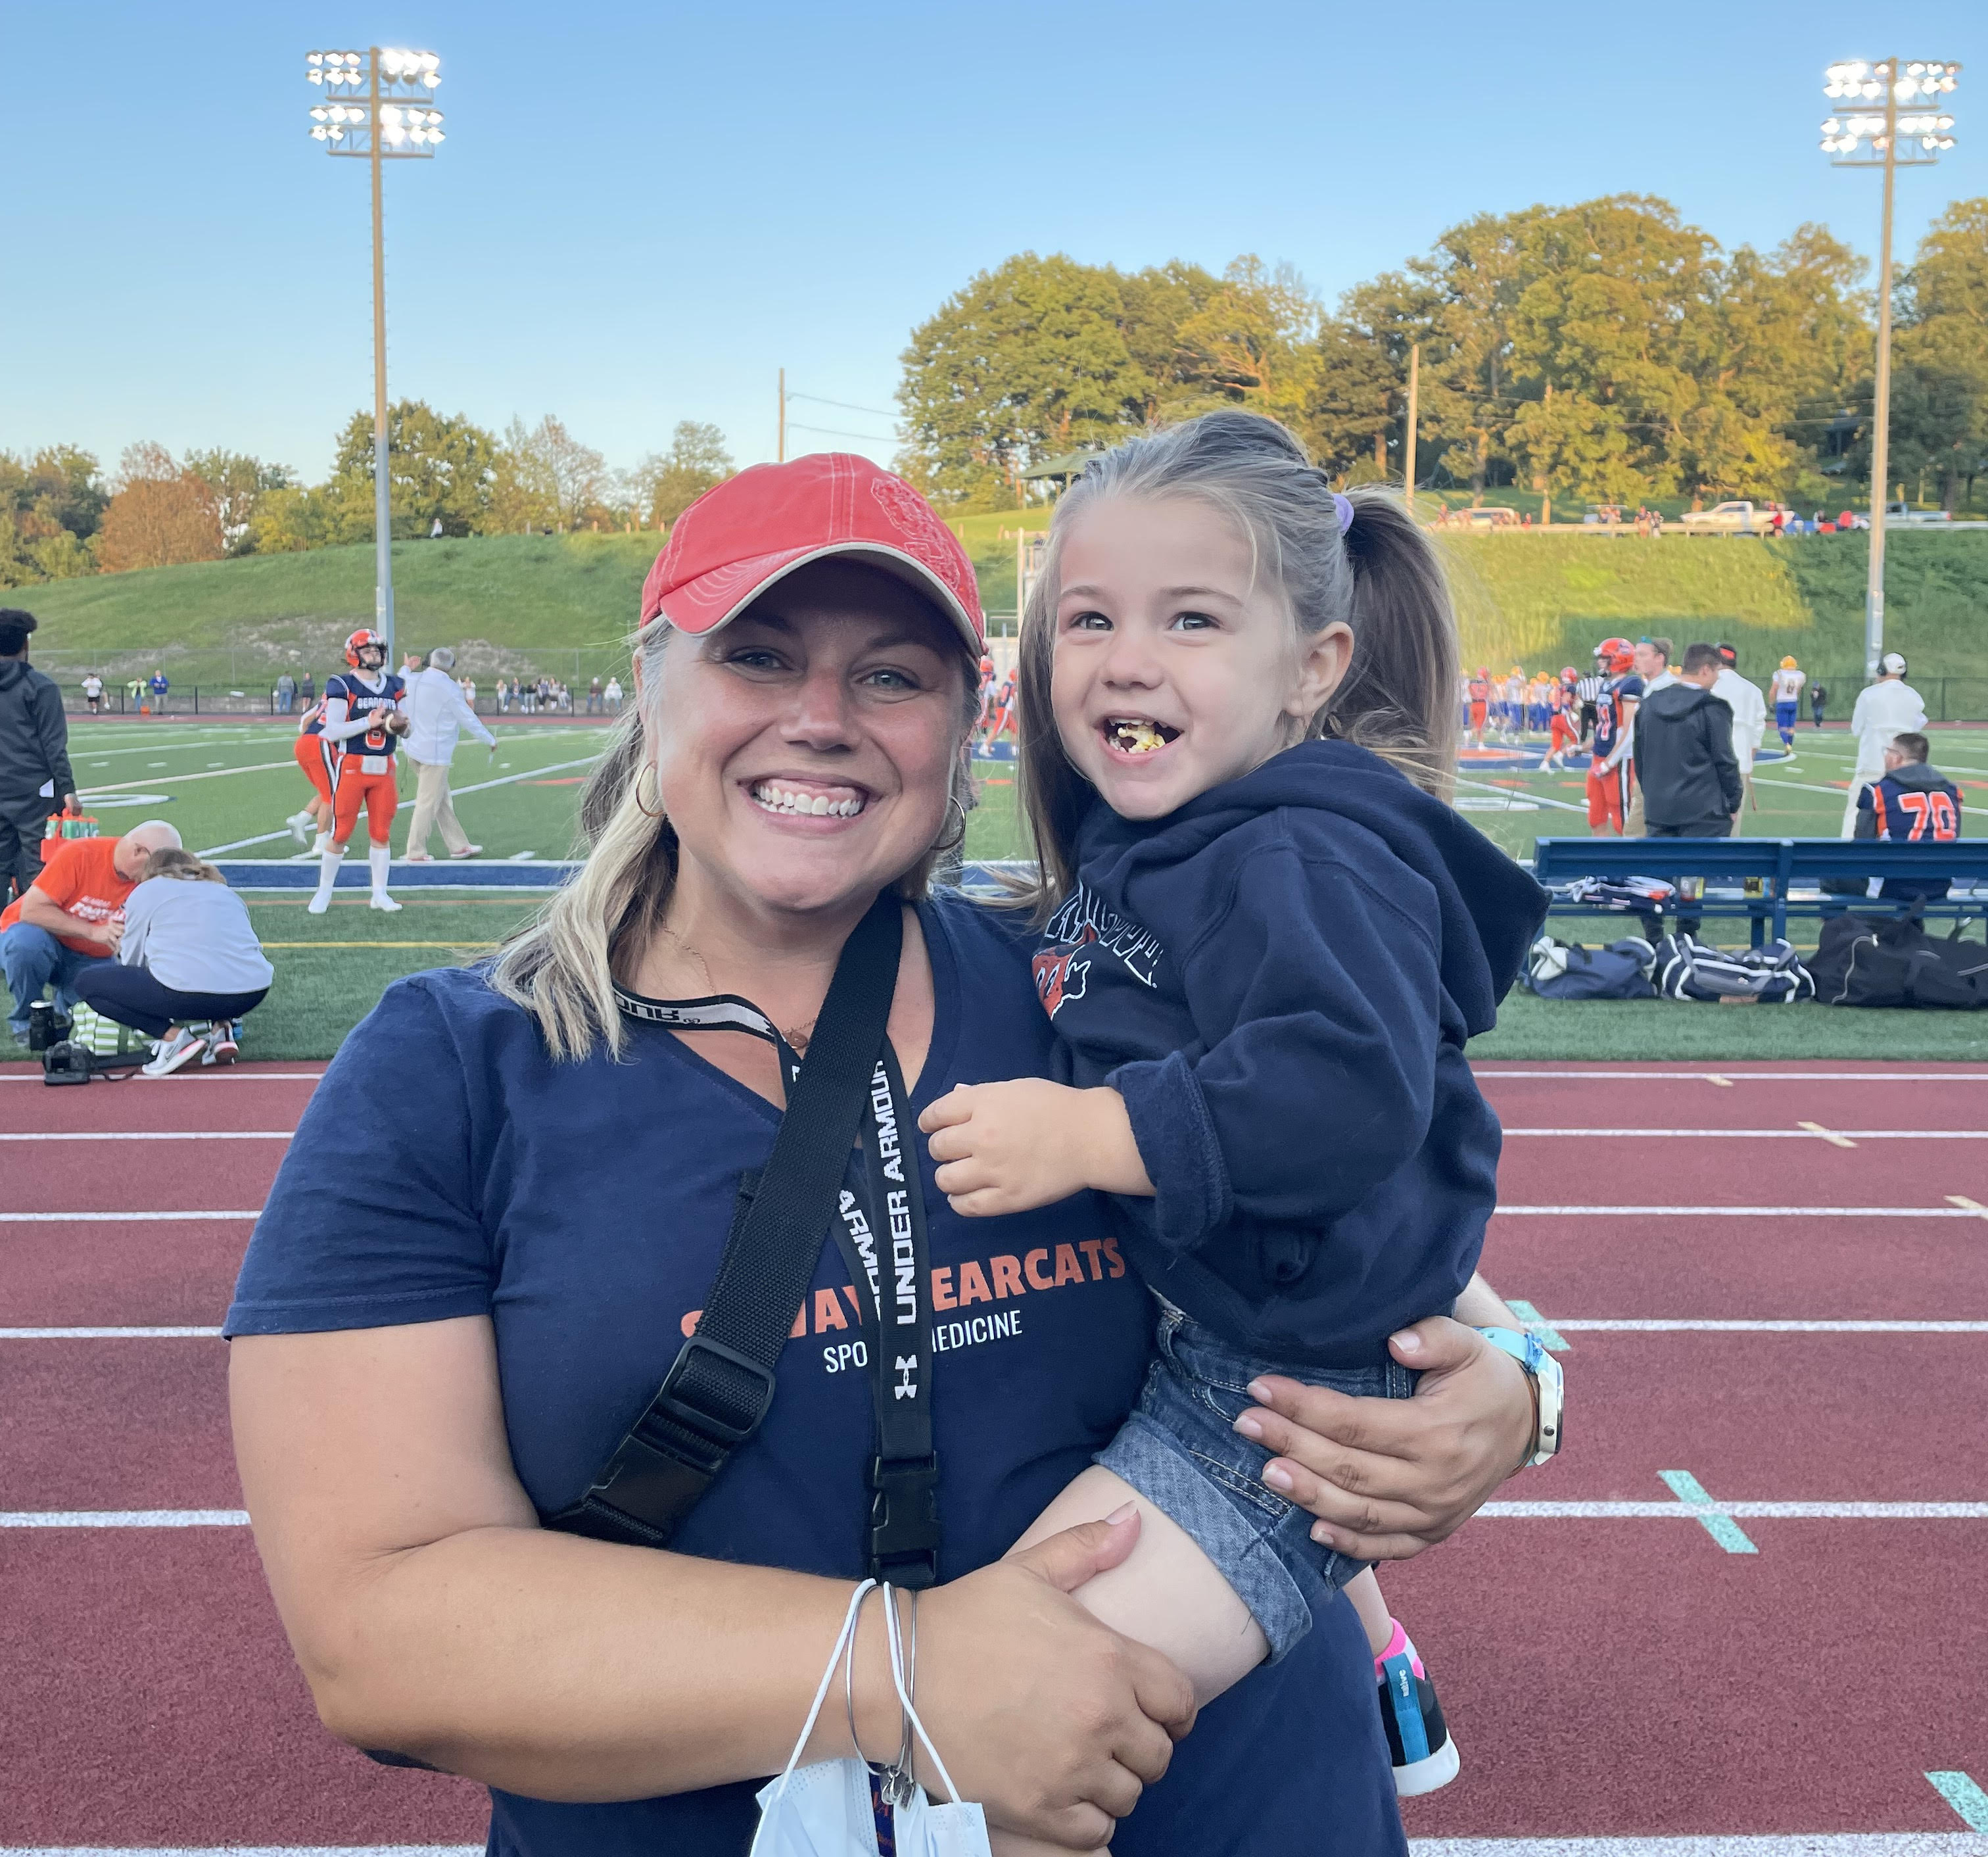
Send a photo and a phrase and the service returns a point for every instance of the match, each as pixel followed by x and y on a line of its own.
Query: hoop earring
pixel 648 767
pixel 953 843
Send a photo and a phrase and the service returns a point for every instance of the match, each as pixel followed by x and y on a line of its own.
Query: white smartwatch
pixel 1544 1372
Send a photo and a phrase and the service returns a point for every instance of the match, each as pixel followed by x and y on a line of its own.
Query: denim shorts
pixel 1179 1450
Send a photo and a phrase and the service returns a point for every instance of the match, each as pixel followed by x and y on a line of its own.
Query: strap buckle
pixel 706 1412
pixel 903 1520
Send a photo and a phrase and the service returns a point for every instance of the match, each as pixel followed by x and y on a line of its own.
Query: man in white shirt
pixel 1890 707
pixel 436 708
pixel 1750 715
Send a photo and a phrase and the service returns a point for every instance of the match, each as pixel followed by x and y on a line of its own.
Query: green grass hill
pixel 563 604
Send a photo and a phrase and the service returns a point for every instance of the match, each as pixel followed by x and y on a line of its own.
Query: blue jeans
pixel 1178 1450
pixel 33 958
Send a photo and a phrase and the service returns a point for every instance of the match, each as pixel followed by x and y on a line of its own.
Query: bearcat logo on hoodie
pixel 1079 932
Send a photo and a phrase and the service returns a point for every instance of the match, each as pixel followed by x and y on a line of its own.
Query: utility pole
pixel 383 517
pixel 1408 446
pixel 1867 139
pixel 783 452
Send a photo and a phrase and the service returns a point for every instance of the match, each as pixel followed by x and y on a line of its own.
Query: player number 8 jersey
pixel 361 699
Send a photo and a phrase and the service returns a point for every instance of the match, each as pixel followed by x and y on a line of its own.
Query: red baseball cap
pixel 743 535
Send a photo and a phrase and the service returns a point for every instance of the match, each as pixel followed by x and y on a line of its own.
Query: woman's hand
pixel 1389 1477
pixel 1011 1147
pixel 1052 1721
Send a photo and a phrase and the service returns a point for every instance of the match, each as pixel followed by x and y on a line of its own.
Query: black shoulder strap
pixel 722 1385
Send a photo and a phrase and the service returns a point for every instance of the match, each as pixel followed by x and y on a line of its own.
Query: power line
pixel 845 405
pixel 836 431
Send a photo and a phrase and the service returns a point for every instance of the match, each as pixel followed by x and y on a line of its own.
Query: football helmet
pixel 1788 664
pixel 366 639
pixel 1617 656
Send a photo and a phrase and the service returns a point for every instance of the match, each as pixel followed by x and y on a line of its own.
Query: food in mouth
pixel 1138 734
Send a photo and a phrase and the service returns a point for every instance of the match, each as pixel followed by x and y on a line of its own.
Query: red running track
pixel 1606 1677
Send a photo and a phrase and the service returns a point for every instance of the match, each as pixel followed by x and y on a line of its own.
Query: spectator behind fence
pixel 1685 766
pixel 286 693
pixel 188 967
pixel 1911 802
pixel 35 776
pixel 73 916
pixel 439 712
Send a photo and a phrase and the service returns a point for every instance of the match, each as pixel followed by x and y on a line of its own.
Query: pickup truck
pixel 1730 519
pixel 1902 516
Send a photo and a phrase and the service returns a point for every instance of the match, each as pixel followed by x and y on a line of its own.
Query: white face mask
pixel 823 1811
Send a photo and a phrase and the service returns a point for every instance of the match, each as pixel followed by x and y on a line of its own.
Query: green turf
pixel 1666 1030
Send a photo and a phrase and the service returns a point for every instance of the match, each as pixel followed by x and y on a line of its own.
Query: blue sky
pixel 642 211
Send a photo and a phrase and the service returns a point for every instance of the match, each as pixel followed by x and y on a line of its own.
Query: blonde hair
pixel 171 861
pixel 1380 576
pixel 561 965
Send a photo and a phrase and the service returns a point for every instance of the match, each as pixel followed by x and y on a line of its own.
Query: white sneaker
pixel 319 903
pixel 180 1047
pixel 383 901
pixel 300 825
pixel 468 851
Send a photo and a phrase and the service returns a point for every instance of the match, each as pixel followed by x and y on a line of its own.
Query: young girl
pixel 1265 939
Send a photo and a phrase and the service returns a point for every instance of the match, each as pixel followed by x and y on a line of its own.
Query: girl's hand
pixel 1010 1146
pixel 1389 1477
pixel 1052 1721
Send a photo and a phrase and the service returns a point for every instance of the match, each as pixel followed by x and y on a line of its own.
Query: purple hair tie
pixel 1344 505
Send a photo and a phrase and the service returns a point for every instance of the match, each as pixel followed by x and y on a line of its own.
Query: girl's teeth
pixel 782 799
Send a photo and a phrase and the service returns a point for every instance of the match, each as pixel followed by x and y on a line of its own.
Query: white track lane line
pixel 1728 1211
pixel 1485 1075
pixel 1797 1844
pixel 215 1076
pixel 106 1335
pixel 1750 1325
pixel 1805 1134
pixel 123 1518
pixel 266 1850
pixel 160 1134
pixel 9 1218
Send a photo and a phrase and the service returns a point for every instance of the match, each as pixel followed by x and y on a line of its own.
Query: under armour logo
pixel 907 1369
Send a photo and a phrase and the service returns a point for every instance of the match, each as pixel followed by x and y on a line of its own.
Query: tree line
pixel 1604 352
pixel 60 516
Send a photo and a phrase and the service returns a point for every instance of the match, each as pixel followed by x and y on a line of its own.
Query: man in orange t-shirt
pixel 72 915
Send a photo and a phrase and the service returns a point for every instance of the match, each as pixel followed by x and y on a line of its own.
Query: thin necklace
pixel 796 1036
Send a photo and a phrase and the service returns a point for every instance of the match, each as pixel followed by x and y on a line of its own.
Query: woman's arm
pixel 432 1616
pixel 1390 1477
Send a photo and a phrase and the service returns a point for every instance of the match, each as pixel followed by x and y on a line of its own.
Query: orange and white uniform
pixel 315 755
pixel 363 772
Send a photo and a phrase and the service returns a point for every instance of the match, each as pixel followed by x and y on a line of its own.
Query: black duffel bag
pixel 1877 960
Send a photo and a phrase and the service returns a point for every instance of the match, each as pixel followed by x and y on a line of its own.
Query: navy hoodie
pixel 1280 978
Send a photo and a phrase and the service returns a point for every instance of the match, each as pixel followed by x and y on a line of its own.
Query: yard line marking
pixel 1805 786
pixel 106 1335
pixel 1536 1324
pixel 114 1217
pixel 157 1135
pixel 1738 1211
pixel 530 773
pixel 1537 799
pixel 1749 1076
pixel 1843 1137
pixel 123 1518
pixel 174 779
pixel 1970 1802
pixel 1798 1844
pixel 1717 1522
pixel 1749 1325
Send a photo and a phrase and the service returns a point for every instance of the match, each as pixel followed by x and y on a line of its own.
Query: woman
pixel 188 968
pixel 442 1344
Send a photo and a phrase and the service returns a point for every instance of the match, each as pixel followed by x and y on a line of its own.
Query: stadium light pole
pixel 376 108
pixel 1881 107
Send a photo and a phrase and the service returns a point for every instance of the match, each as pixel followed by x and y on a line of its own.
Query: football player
pixel 1479 689
pixel 1564 710
pixel 1784 692
pixel 1618 691
pixel 315 755
pixel 363 715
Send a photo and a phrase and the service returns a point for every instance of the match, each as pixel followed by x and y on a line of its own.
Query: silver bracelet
pixel 848 1687
pixel 900 1785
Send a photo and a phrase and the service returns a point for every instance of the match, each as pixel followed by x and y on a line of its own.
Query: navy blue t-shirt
pixel 583 1208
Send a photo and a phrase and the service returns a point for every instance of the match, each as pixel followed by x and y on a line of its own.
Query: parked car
pixel 1497 516
pixel 1730 519
pixel 1902 516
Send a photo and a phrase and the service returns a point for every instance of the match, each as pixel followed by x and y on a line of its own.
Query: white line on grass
pixel 1526 793
pixel 174 779
pixel 1766 1134
pixel 530 773
pixel 156 1135
pixel 107 1334
pixel 1803 787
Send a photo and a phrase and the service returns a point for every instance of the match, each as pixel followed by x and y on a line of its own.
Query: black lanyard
pixel 881 1232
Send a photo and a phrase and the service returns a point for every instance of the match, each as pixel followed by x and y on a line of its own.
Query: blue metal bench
pixel 1782 865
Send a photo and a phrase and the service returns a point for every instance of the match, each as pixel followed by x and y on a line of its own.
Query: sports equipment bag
pixel 1566 970
pixel 1891 961
pixel 1690 969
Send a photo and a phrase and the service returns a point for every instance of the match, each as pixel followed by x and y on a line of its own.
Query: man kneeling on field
pixel 1911 802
